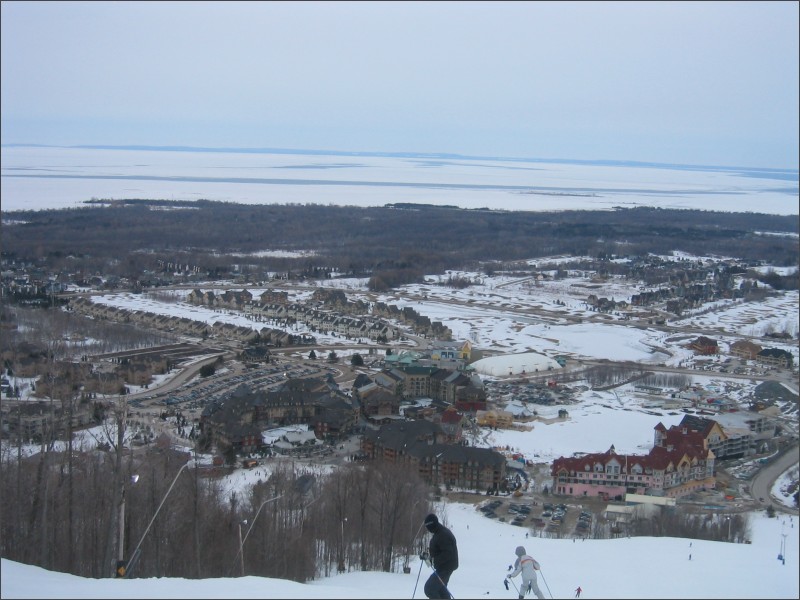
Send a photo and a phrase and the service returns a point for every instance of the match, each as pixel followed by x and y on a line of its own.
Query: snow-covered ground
pixel 640 567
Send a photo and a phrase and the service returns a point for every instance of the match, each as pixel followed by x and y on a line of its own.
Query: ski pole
pixel 545 583
pixel 417 583
pixel 514 584
pixel 414 539
pixel 512 581
pixel 444 585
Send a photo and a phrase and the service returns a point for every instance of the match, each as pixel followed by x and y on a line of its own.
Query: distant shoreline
pixel 47 177
pixel 778 173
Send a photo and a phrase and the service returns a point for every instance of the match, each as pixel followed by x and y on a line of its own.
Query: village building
pixel 422 443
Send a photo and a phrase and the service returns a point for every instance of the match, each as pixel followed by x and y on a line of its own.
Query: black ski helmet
pixel 431 521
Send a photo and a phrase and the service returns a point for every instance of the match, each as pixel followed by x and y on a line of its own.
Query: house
pixel 745 349
pixel 673 472
pixel 700 431
pixel 455 351
pixel 381 331
pixel 408 375
pixel 310 401
pixel 415 381
pixel 195 296
pixel 274 297
pixel 402 358
pixel 498 419
pixel 389 379
pixel 451 422
pixel 704 346
pixel 30 421
pixel 275 310
pixel 421 443
pixel 470 399
pixel 453 382
pixel 335 418
pixel 255 354
pixel 776 357
pixel 377 401
pixel 209 298
pixel 235 300
pixel 392 440
pixel 454 465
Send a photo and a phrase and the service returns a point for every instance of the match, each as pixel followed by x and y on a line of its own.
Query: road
pixel 174 383
pixel 763 481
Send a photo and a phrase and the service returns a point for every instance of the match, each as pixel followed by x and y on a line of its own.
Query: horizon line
pixel 397 154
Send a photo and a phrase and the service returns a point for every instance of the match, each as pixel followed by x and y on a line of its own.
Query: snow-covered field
pixel 640 567
pixel 497 314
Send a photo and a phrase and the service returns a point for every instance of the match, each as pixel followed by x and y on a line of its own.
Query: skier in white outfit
pixel 528 566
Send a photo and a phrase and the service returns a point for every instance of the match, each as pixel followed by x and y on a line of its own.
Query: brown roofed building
pixel 704 345
pixel 745 349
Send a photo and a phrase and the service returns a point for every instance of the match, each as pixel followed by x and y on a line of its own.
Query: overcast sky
pixel 712 83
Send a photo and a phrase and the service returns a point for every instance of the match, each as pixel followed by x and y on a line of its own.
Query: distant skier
pixel 442 555
pixel 528 566
pixel 578 592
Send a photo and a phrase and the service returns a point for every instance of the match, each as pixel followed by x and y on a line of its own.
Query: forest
pixel 64 511
pixel 393 245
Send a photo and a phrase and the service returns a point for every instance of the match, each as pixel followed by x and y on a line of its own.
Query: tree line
pixel 395 244
pixel 62 511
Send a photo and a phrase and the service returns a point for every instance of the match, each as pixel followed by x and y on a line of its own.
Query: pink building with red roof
pixel 680 463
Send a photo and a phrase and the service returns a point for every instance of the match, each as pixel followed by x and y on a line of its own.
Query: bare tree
pixel 394 494
pixel 115 435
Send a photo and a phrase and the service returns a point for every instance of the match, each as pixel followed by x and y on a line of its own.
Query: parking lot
pixel 545 519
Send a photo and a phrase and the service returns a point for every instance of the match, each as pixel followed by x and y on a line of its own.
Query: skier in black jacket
pixel 443 552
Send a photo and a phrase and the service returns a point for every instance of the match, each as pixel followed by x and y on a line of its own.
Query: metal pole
pixel 341 565
pixel 121 536
pixel 783 548
pixel 121 566
pixel 241 547
pixel 135 555
pixel 249 529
